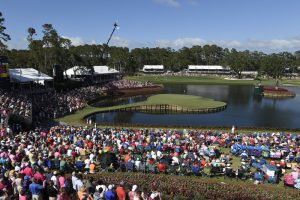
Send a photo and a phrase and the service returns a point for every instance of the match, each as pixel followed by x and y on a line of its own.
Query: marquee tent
pixel 104 70
pixel 153 69
pixel 208 69
pixel 26 75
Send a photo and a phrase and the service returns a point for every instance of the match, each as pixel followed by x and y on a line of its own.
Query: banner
pixel 3 71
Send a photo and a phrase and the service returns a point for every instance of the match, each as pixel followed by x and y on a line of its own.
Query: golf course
pixel 187 103
pixel 208 80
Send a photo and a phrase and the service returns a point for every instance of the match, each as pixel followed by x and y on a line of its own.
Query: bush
pixel 177 187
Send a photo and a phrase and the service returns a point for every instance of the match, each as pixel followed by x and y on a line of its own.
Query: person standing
pixel 52 191
pixel 110 194
pixel 121 191
pixel 36 190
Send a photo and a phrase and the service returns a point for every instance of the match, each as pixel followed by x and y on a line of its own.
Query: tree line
pixel 51 49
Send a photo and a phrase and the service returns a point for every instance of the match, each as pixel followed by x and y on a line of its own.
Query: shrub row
pixel 184 187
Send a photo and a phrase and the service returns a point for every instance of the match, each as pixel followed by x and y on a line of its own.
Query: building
pixel 153 69
pixel 105 74
pixel 249 74
pixel 98 74
pixel 209 69
pixel 28 75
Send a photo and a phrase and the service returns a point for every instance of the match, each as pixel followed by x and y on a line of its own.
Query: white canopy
pixel 254 73
pixel 153 67
pixel 77 70
pixel 84 71
pixel 104 70
pixel 205 67
pixel 24 75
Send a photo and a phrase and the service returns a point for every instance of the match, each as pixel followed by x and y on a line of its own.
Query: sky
pixel 257 25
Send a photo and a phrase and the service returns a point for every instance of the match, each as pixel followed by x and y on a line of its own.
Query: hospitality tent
pixel 104 70
pixel 153 69
pixel 98 74
pixel 77 71
pixel 104 74
pixel 208 69
pixel 27 75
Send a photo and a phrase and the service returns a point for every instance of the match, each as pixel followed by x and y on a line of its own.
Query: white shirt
pixel 74 179
pixel 78 184
pixel 54 179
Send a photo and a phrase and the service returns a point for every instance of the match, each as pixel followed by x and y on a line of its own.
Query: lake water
pixel 244 109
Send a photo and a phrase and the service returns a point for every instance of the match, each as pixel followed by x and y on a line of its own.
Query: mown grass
pixel 207 80
pixel 184 101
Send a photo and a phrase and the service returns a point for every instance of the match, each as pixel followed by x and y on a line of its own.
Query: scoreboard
pixel 3 68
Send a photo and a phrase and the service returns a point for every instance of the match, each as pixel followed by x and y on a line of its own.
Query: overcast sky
pixel 263 25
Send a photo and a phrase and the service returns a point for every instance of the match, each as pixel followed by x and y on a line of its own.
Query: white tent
pixel 25 75
pixel 205 67
pixel 104 70
pixel 84 71
pixel 153 67
pixel 77 71
pixel 208 69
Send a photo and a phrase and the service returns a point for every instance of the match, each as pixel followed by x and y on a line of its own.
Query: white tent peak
pixel 25 75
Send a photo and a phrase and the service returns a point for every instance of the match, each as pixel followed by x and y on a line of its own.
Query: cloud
pixel 20 43
pixel 275 44
pixel 268 46
pixel 179 43
pixel 76 41
pixel 119 42
pixel 290 44
pixel 170 3
pixel 189 42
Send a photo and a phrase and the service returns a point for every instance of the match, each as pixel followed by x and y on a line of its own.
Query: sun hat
pixel 122 183
pixel 110 187
pixel 134 187
pixel 98 187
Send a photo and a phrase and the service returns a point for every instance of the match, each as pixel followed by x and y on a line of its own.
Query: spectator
pixel 110 194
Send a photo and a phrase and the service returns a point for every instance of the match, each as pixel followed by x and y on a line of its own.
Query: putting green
pixel 181 101
pixel 184 101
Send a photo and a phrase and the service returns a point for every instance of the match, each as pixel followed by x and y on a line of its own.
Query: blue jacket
pixel 110 195
pixel 35 189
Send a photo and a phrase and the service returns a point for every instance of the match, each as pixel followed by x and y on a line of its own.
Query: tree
pixel 4 37
pixel 273 66
pixel 237 61
pixel 35 49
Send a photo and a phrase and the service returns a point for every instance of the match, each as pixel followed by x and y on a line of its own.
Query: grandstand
pixel 209 69
pixel 100 73
pixel 153 69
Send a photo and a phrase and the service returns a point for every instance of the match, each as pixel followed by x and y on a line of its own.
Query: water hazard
pixel 243 109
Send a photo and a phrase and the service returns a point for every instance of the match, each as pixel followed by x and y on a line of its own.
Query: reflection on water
pixel 243 109
pixel 120 101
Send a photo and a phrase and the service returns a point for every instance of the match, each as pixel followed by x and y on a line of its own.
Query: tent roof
pixel 84 71
pixel 153 67
pixel 78 70
pixel 206 67
pixel 24 75
pixel 104 70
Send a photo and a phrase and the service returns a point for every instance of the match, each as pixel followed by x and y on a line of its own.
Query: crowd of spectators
pixel 33 164
pixel 13 104
pixel 56 104
pixel 127 84
pixel 51 104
